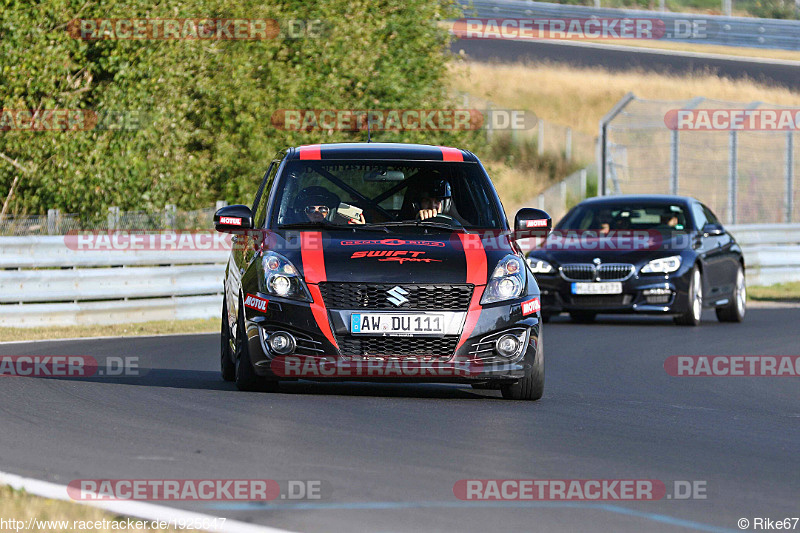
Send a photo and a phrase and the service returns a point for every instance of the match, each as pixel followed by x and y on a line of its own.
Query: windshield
pixel 604 218
pixel 340 192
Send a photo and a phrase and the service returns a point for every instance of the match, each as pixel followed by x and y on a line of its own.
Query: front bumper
pixel 447 358
pixel 642 293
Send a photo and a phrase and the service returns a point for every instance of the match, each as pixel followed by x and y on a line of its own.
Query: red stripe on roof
pixel 311 151
pixel 451 154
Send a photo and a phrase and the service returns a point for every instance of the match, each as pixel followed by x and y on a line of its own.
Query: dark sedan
pixel 664 255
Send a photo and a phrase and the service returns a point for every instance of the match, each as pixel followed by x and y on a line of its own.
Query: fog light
pixel 281 285
pixel 507 345
pixel 657 296
pixel 282 343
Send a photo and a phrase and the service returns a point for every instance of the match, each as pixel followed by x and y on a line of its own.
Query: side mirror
pixel 233 218
pixel 712 229
pixel 531 222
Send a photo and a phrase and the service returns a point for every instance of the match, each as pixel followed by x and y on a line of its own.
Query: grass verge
pixel 579 97
pixel 62 515
pixel 115 330
pixel 780 292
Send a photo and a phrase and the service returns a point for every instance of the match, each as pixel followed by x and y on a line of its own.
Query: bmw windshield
pixel 603 218
pixel 385 193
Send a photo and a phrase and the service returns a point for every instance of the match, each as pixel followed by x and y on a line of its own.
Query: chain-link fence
pixel 729 155
pixel 561 197
pixel 57 223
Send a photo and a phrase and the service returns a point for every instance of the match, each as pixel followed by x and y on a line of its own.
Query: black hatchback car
pixel 380 261
pixel 666 255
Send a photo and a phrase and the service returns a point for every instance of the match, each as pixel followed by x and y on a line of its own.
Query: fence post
pixel 562 189
pixel 489 120
pixel 789 175
pixel 113 217
pixel 220 204
pixel 540 136
pixel 568 148
pixel 583 190
pixel 732 172
pixel 602 150
pixel 169 216
pixel 674 161
pixel 541 202
pixel 52 221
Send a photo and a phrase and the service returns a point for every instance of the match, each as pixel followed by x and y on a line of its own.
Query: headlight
pixel 507 282
pixel 664 265
pixel 540 266
pixel 282 278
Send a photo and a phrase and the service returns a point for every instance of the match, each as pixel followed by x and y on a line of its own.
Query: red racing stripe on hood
pixel 311 151
pixel 313 259
pixel 476 275
pixel 451 154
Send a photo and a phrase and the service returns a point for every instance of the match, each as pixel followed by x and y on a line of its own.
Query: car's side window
pixel 262 197
pixel 700 218
pixel 712 218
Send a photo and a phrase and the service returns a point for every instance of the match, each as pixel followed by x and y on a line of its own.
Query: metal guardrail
pixel 709 29
pixel 43 282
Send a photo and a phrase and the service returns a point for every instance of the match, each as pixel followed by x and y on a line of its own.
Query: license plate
pixel 603 287
pixel 382 323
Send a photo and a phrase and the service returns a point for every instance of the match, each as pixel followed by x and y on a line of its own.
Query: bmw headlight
pixel 281 278
pixel 507 281
pixel 540 266
pixel 665 265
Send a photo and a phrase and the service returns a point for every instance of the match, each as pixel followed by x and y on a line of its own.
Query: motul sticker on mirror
pixel 530 307
pixel 255 302
pixel 536 223
pixel 232 221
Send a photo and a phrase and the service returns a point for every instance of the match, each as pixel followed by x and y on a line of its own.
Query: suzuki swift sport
pixel 380 262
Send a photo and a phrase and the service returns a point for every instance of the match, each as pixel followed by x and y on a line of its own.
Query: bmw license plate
pixel 603 287
pixel 383 323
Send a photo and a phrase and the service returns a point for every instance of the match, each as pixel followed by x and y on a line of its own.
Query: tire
pixel 583 317
pixel 692 315
pixel 245 375
pixel 226 364
pixel 545 318
pixel 531 387
pixel 737 308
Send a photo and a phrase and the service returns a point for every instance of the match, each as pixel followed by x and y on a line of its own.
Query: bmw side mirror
pixel 712 229
pixel 531 222
pixel 233 219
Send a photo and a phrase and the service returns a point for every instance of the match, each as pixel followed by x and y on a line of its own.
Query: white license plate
pixel 603 287
pixel 381 323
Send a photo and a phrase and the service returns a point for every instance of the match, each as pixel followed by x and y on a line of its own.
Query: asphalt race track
pixel 388 455
pixel 628 58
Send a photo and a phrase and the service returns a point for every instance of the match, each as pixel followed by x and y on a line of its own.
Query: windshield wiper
pixel 330 225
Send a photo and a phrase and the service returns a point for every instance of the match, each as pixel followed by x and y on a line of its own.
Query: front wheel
pixel 735 310
pixel 227 366
pixel 245 375
pixel 692 315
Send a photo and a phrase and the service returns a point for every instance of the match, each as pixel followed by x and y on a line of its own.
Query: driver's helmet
pixel 313 196
pixel 439 189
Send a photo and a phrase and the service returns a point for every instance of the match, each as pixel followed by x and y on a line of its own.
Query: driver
pixel 315 203
pixel 435 199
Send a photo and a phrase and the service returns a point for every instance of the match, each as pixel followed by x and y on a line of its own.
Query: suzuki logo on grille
pixel 397 296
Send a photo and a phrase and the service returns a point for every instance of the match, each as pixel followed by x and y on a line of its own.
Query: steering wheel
pixel 444 219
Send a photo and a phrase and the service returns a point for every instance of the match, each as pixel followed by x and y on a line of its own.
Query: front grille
pixel 601 300
pixel 603 272
pixel 419 348
pixel 374 296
